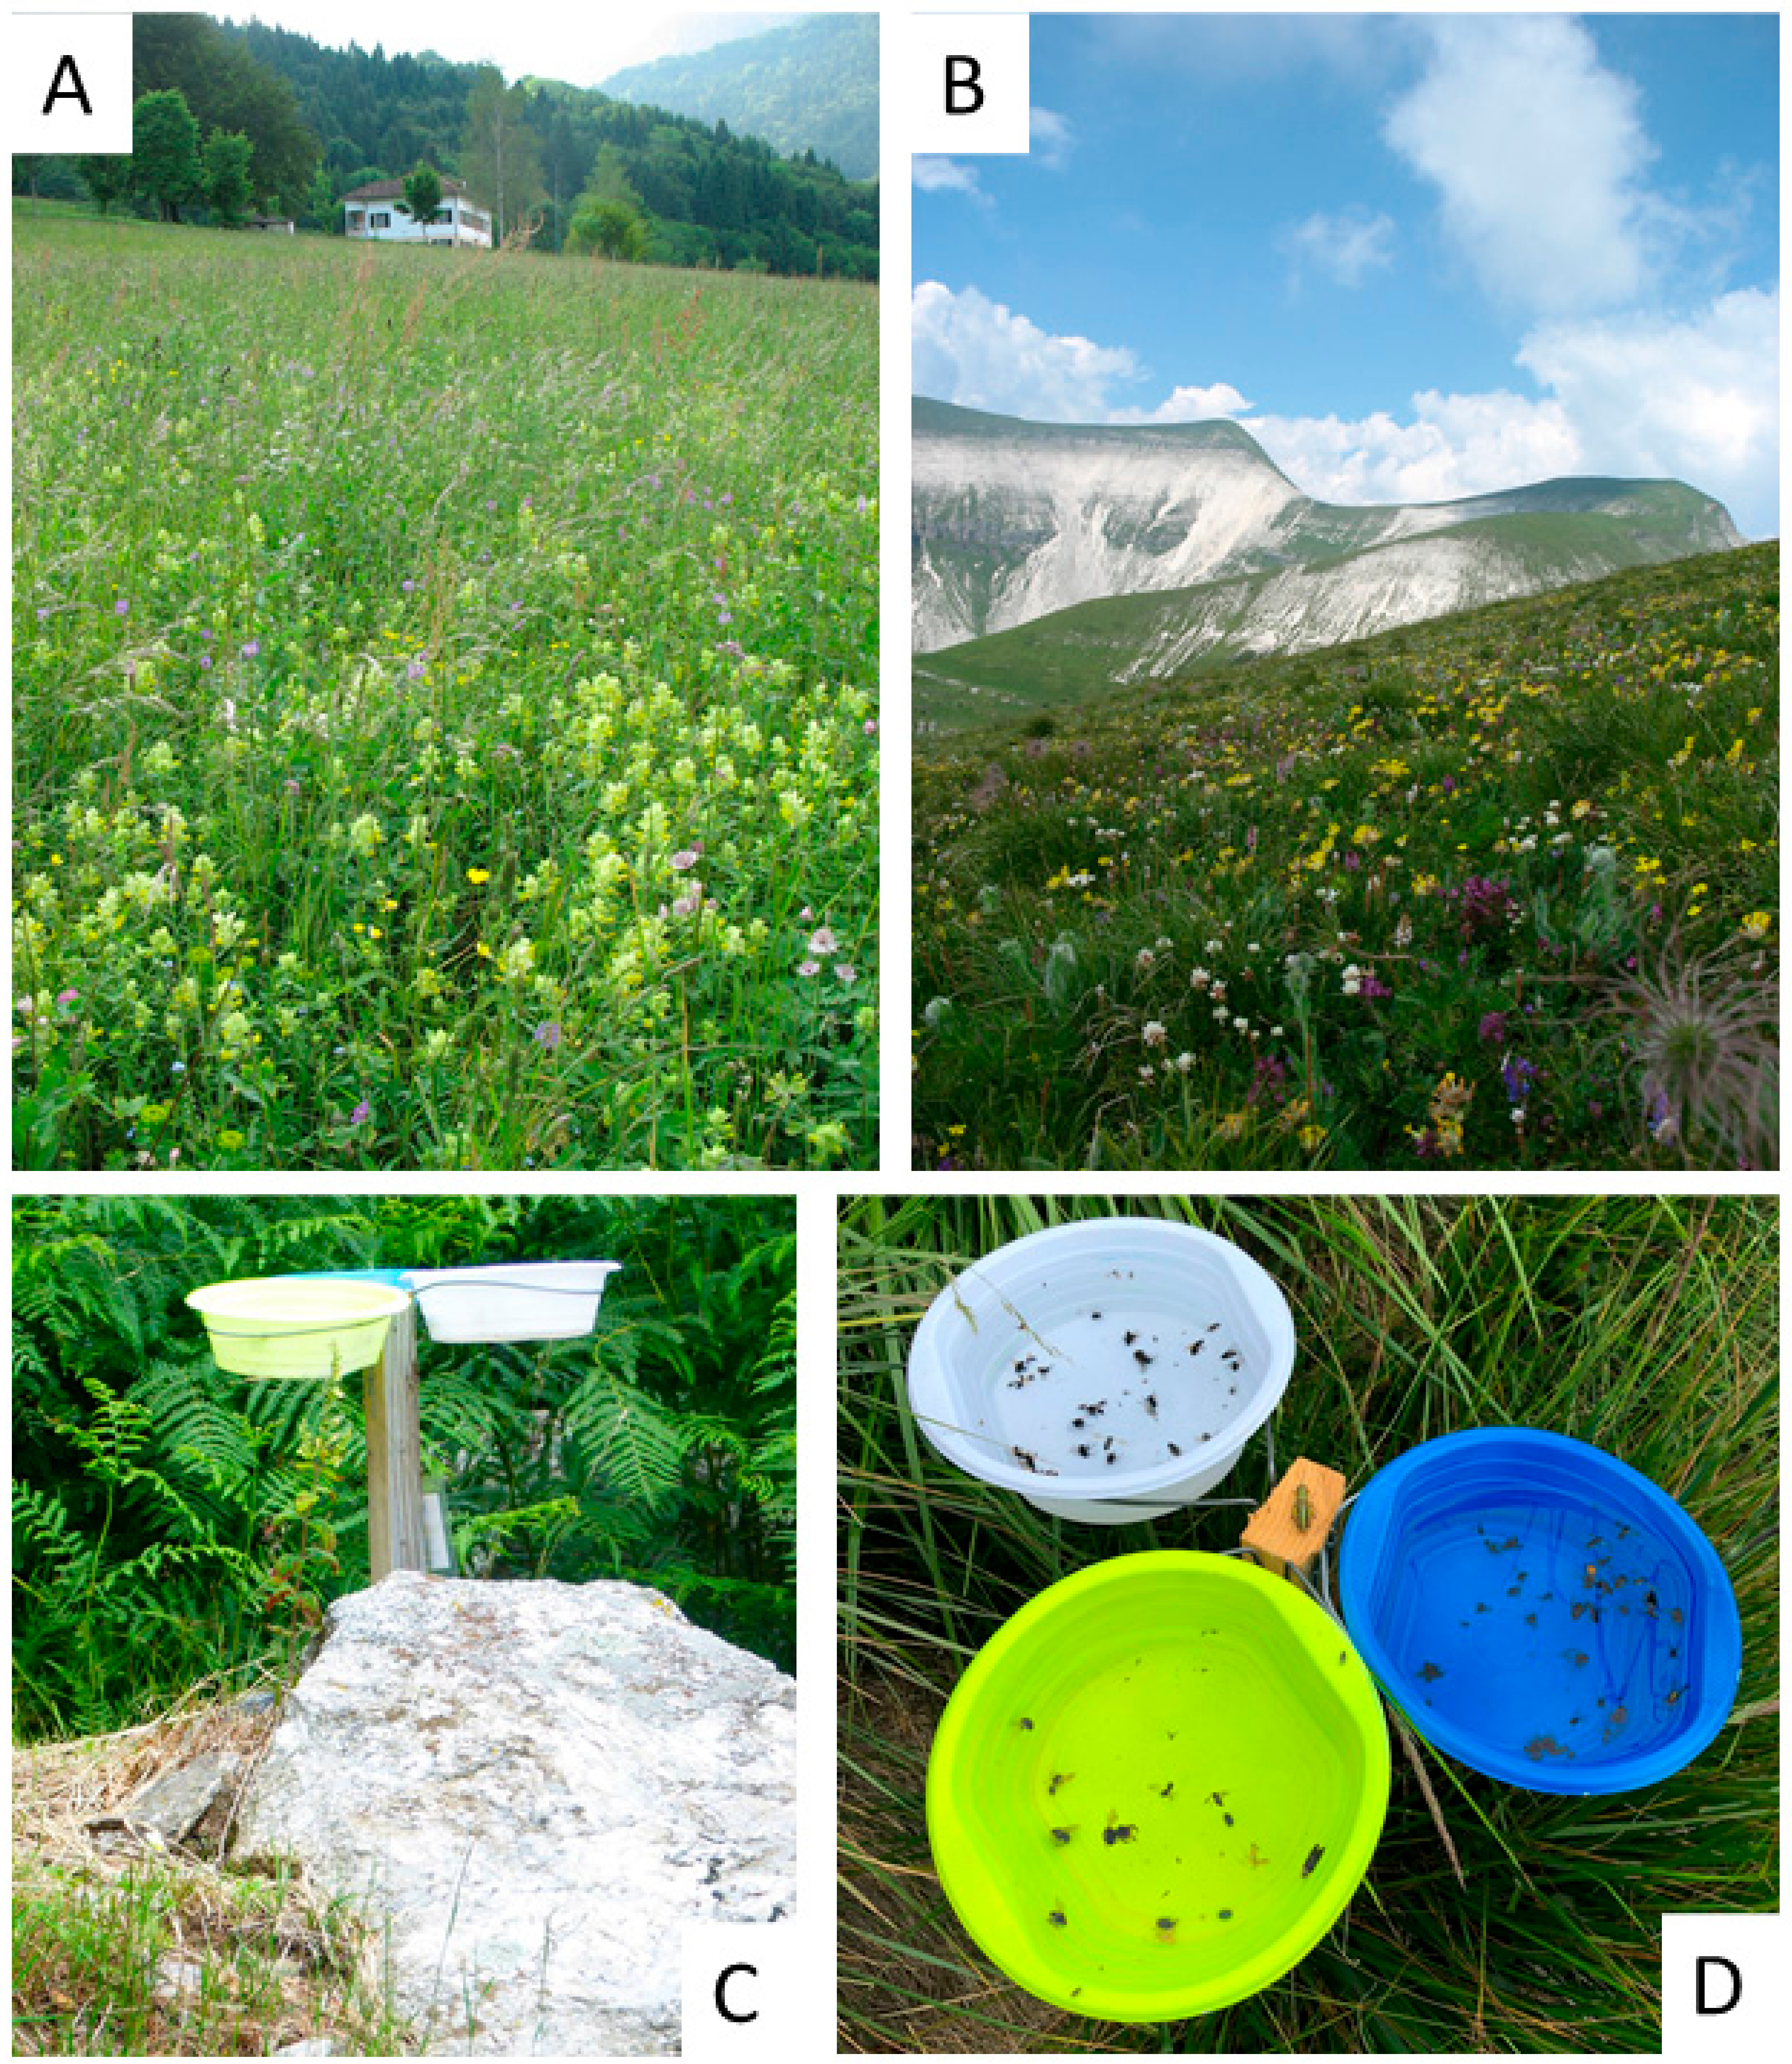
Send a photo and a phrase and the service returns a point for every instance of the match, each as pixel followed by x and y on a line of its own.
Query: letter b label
pixel 968 83
pixel 963 95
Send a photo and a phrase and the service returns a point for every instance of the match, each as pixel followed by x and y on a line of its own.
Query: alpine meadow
pixel 443 724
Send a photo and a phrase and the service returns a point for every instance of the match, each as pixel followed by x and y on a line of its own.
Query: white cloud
pixel 1692 398
pixel 1344 248
pixel 1050 137
pixel 1537 152
pixel 1455 445
pixel 972 350
pixel 946 175
pixel 1189 404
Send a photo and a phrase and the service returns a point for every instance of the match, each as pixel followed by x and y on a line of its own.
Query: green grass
pixel 166 1960
pixel 1500 890
pixel 443 721
pixel 1646 1325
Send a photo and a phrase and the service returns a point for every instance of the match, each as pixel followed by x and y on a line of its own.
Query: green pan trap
pixel 1157 1786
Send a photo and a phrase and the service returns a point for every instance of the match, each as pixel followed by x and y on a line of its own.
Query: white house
pixel 378 211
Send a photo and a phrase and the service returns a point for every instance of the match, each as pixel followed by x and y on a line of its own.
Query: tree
pixel 227 157
pixel 227 88
pixel 610 226
pixel 423 193
pixel 500 158
pixel 165 154
pixel 107 179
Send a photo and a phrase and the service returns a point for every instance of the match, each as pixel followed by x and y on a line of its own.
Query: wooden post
pixel 1274 1535
pixel 395 1454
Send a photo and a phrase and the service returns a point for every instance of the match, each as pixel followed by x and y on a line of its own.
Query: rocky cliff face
pixel 1014 521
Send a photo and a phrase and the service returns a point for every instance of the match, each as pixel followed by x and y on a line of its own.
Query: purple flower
pixel 1374 987
pixel 252 649
pixel 409 587
pixel 1493 1029
pixel 205 662
pixel 1519 1077
pixel 361 1113
pixel 121 607
pixel 548 1036
pixel 808 969
pixel 686 858
pixel 414 671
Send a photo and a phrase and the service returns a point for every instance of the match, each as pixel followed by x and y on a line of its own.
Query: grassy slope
pixel 1645 1325
pixel 1073 654
pixel 1494 817
pixel 387 622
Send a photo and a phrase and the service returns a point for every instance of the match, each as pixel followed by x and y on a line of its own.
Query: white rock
pixel 536 1785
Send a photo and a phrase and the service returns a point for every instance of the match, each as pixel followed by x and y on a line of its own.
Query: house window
pixel 443 215
pixel 380 220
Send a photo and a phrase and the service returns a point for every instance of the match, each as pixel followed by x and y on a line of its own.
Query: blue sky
pixel 1419 256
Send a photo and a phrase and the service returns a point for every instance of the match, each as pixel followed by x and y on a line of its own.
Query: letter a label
pixel 68 80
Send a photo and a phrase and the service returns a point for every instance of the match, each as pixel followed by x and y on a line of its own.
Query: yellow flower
pixel 478 875
pixel 1758 924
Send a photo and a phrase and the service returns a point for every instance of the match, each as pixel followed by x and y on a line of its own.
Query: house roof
pixel 394 189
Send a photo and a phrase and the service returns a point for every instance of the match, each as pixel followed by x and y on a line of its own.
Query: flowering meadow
pixel 1498 891
pixel 443 719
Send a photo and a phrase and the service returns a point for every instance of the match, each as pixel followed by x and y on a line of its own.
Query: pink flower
pixel 688 859
pixel 823 942
pixel 808 969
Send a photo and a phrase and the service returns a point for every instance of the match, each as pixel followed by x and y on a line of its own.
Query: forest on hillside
pixel 561 166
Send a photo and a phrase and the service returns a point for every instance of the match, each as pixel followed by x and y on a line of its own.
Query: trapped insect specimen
pixel 1166 1928
pixel 1312 1862
pixel 1024 1725
pixel 1061 1835
pixel 1058 1777
pixel 1056 1917
pixel 1173 1447
pixel 1120 1830
pixel 1151 1403
pixel 1303 1508
pixel 1128 1338
pixel 1226 1913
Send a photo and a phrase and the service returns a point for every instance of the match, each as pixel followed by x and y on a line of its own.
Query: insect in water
pixel 1095 1315
pixel 1312 1862
pixel 1226 1913
pixel 1024 1725
pixel 1151 1404
pixel 1169 1787
pixel 1196 1346
pixel 1061 1835
pixel 1303 1508
pixel 1166 1927
pixel 1082 1449
pixel 1128 1338
pixel 1059 1777
pixel 1122 1831
pixel 1056 1917
pixel 1173 1447
pixel 1430 1674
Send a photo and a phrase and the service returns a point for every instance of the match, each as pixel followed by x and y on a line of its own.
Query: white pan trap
pixel 1108 1371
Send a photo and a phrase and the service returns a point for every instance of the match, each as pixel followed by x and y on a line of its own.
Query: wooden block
pixel 1273 1536
pixel 394 1454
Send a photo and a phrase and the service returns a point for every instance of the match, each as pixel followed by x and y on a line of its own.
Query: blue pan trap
pixel 1540 1611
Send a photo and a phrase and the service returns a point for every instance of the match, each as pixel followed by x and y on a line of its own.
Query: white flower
pixel 1185 1061
pixel 823 942
pixel 1153 1034
pixel 1199 978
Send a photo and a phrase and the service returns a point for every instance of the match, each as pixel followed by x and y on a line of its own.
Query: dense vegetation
pixel 442 718
pixel 1503 1921
pixel 1498 890
pixel 809 86
pixel 173 1525
pixel 322 121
